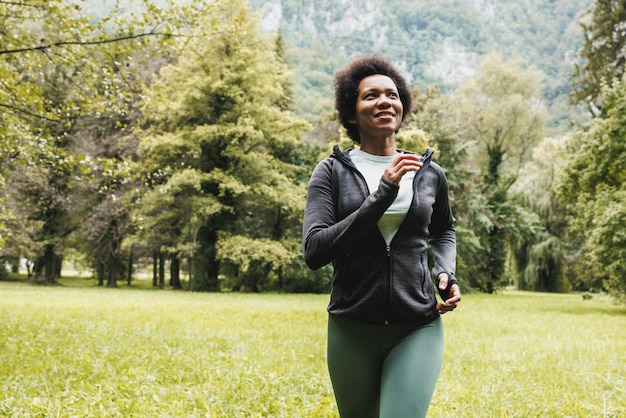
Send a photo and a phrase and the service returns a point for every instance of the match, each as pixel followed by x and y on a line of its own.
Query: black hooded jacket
pixel 374 283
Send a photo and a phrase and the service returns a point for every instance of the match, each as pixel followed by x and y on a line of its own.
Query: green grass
pixel 72 351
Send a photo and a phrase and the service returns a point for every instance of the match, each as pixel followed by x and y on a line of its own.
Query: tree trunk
pixel 497 252
pixel 129 277
pixel 155 268
pixel 205 270
pixel 100 273
pixel 190 269
pixel 38 267
pixel 58 266
pixel 175 273
pixel 49 264
pixel 161 270
pixel 497 259
pixel 112 274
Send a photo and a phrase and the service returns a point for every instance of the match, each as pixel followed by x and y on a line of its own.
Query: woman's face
pixel 378 107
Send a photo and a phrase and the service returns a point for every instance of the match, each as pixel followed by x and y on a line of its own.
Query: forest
pixel 178 137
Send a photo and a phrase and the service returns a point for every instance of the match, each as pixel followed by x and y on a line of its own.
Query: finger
pixel 444 310
pixel 443 281
pixel 401 169
pixel 408 162
pixel 453 301
pixel 408 165
pixel 443 307
pixel 455 292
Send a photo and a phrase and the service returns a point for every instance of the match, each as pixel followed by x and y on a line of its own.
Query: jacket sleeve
pixel 442 232
pixel 324 237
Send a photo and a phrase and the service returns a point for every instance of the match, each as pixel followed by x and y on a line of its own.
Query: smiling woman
pixel 373 213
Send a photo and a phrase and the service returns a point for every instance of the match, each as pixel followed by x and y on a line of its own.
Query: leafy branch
pixel 87 43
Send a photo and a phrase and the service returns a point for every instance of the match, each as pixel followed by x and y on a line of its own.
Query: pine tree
pixel 220 151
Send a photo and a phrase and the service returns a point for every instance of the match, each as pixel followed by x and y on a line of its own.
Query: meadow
pixel 84 351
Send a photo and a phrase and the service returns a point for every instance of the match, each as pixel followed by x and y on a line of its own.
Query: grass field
pixel 72 351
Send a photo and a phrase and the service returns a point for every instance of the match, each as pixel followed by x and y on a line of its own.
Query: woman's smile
pixel 385 115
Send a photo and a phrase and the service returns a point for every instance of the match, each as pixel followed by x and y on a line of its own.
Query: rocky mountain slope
pixel 439 41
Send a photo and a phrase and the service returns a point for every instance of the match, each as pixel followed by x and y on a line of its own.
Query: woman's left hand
pixel 455 296
pixel 401 165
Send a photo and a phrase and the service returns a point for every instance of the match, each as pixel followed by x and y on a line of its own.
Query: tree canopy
pixel 174 134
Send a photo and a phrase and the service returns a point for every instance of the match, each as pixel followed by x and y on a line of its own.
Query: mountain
pixel 431 41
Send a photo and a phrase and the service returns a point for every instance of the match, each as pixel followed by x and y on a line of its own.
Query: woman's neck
pixel 379 147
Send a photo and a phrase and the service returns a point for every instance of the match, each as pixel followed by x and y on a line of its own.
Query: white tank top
pixel 372 167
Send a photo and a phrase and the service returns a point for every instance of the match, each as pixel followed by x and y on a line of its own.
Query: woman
pixel 372 212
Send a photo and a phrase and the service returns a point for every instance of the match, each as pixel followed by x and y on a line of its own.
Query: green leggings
pixel 383 371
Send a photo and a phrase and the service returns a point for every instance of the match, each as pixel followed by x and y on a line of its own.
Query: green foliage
pixel 414 140
pixel 607 239
pixel 71 82
pixel 58 64
pixel 219 115
pixel 501 115
pixel 172 214
pixel 254 263
pixel 544 271
pixel 538 254
pixel 113 143
pixel 499 123
pixel 593 186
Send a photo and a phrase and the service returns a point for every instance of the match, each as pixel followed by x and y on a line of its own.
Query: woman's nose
pixel 384 100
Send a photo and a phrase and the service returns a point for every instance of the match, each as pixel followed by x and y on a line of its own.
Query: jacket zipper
pixel 388 285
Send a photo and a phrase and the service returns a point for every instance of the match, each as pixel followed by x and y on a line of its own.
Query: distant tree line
pixel 169 139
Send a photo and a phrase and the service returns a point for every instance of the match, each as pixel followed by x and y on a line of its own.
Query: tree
pixel 217 123
pixel 593 187
pixel 538 257
pixel 500 120
pixel 602 56
pixel 62 71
